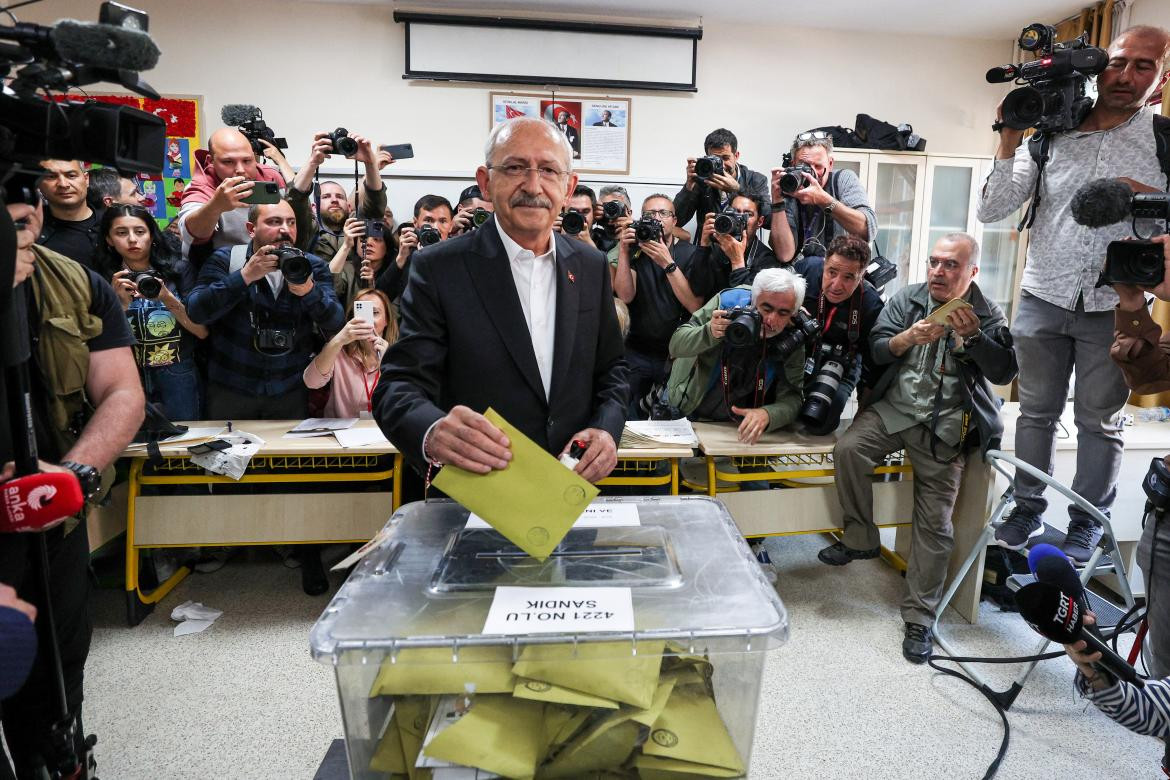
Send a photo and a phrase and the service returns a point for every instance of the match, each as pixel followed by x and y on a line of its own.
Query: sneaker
pixel 765 560
pixel 314 581
pixel 1082 538
pixel 917 644
pixel 213 559
pixel 1017 528
pixel 837 554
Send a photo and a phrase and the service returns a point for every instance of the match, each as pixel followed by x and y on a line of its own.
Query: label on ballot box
pixel 594 516
pixel 560 610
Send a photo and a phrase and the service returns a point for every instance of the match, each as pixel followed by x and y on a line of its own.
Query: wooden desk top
pixel 662 452
pixel 722 439
pixel 272 431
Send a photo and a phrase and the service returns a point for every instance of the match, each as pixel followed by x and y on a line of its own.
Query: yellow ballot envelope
pixel 499 734
pixel 533 502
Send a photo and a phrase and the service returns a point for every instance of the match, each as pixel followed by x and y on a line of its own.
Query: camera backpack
pixel 1039 143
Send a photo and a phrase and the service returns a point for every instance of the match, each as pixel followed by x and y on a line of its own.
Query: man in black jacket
pixel 512 316
pixel 702 196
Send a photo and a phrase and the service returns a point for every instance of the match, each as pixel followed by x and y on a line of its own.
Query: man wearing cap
pixel 469 200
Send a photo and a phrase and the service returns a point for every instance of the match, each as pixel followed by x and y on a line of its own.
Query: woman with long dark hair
pixel 152 283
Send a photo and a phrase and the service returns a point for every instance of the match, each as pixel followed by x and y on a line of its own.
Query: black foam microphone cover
pixel 237 114
pixel 104 46
pixel 1101 202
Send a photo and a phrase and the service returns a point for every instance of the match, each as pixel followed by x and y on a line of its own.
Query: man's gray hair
pixel 615 189
pixel 779 280
pixel 503 131
pixel 972 246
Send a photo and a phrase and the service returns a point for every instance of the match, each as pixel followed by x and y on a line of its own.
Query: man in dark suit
pixel 605 117
pixel 512 316
pixel 570 133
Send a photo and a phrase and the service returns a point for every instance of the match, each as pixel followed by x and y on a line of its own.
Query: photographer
pixel 757 383
pixel 261 323
pixel 1063 320
pixel 471 200
pixel 607 229
pixel 650 276
pixel 335 207
pixel 732 258
pixel 107 187
pixel 922 405
pixel 702 195
pixel 369 250
pixel 151 284
pixel 846 308
pixel 87 405
pixel 584 202
pixel 432 223
pixel 828 203
pixel 71 227
pixel 213 214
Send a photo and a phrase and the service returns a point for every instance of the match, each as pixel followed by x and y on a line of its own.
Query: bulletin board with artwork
pixel 164 191
pixel 598 129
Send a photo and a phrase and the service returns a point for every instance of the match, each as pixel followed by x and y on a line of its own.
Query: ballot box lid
pixel 432 580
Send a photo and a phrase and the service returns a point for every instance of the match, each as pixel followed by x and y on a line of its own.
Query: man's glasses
pixel 657 213
pixel 813 135
pixel 946 263
pixel 516 171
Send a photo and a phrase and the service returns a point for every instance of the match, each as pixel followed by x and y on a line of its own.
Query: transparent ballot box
pixel 635 650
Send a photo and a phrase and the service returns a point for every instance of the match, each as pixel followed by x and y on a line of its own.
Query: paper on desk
pixel 324 424
pixel 596 515
pixel 533 502
pixel 194 616
pixel 649 433
pixel 191 435
pixel 360 437
pixel 233 461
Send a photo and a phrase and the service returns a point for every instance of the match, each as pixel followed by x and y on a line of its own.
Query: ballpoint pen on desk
pixel 229 426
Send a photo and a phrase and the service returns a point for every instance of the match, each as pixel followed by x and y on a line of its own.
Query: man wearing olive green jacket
pixel 755 384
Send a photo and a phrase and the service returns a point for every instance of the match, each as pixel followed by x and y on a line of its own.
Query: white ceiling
pixel 1002 19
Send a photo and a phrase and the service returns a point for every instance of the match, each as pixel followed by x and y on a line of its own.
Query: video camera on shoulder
pixel 708 166
pixel 647 229
pixel 249 120
pixel 732 223
pixel 1053 97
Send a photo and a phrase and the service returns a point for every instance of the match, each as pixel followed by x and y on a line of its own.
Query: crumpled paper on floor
pixel 233 461
pixel 194 616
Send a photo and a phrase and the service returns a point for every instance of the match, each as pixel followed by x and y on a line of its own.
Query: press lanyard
pixel 370 389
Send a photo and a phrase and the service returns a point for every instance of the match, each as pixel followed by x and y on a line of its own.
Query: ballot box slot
pixel 563 553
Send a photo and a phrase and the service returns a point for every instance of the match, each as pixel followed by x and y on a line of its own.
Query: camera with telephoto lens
pixel 792 179
pixel 1053 97
pixel 708 166
pixel 822 391
pixel 342 143
pixel 294 264
pixel 647 229
pixel 149 284
pixel 731 223
pixel 799 331
pixel 428 234
pixel 572 222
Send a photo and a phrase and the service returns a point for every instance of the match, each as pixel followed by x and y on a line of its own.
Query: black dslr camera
pixel 613 209
pixel 342 143
pixel 647 229
pixel 800 330
pixel 744 326
pixel 708 166
pixel 1138 262
pixel 792 178
pixel 731 223
pixel 149 284
pixel 428 234
pixel 572 222
pixel 480 216
pixel 294 264
pixel 1053 97
pixel 822 390
pixel 275 341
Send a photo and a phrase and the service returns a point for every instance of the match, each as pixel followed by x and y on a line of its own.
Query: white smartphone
pixel 364 310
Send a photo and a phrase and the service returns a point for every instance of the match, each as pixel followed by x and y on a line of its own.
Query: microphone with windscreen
pixel 1057 616
pixel 1104 202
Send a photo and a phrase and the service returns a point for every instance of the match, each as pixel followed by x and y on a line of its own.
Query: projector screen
pixel 529 51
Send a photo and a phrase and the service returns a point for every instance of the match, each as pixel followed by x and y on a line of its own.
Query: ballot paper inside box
pixel 434 684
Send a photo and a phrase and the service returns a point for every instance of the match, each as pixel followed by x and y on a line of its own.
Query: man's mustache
pixel 532 201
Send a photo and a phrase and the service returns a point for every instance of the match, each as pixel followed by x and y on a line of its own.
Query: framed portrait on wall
pixel 597 129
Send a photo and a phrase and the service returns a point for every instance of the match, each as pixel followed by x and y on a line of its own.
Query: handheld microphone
pixel 237 114
pixel 1057 616
pixel 1049 564
pixel 104 46
pixel 1002 74
pixel 37 502
pixel 1101 202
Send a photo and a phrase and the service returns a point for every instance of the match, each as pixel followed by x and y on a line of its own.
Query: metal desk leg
pixel 674 476
pixel 711 476
pixel 138 604
pixel 396 483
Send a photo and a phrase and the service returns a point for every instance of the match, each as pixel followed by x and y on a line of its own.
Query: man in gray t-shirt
pixel 833 203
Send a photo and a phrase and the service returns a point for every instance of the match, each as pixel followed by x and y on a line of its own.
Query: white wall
pixel 1155 12
pixel 314 66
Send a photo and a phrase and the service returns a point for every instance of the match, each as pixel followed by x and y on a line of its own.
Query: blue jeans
pixel 645 372
pixel 176 389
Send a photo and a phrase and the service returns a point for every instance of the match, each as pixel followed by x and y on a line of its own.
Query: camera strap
pixel 725 378
pixel 1039 146
pixel 854 325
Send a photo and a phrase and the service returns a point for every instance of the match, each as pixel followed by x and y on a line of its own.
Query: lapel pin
pixel 571 277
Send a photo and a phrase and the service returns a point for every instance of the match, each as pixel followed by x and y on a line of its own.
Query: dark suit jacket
pixel 570 133
pixel 463 340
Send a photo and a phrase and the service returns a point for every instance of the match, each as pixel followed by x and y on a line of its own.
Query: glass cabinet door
pixel 950 203
pixel 896 193
pixel 1001 256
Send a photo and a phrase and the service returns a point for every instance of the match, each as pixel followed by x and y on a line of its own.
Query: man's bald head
pixel 1158 36
pixel 231 154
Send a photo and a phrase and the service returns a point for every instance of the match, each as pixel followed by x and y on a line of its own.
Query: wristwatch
pixel 832 205
pixel 778 205
pixel 89 477
pixel 973 339
pixel 670 268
